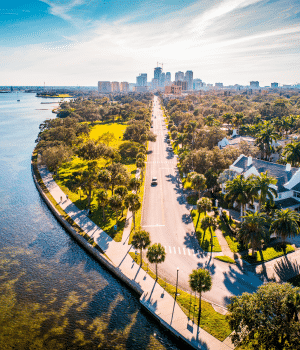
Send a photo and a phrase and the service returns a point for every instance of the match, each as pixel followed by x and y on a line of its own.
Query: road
pixel 166 215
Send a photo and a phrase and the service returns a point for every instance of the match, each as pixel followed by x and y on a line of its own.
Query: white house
pixel 235 140
pixel 288 179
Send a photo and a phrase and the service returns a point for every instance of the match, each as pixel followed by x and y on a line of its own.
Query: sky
pixel 79 42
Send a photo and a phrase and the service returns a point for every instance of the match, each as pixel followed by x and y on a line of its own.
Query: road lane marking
pixel 189 252
pixel 183 251
pixel 179 250
pixel 174 250
pixel 170 249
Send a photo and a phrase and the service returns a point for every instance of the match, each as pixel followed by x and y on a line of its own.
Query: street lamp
pixel 176 283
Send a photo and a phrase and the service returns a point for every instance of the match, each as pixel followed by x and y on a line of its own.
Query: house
pixel 288 180
pixel 235 140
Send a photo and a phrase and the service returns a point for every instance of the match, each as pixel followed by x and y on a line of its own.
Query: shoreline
pixel 103 260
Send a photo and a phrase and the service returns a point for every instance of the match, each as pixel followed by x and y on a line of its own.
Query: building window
pixel 296 194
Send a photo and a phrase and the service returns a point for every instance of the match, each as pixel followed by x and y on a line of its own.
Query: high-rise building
pixel 274 85
pixel 124 86
pixel 183 84
pixel 141 80
pixel 197 84
pixel 157 73
pixel 168 77
pixel 179 76
pixel 162 79
pixel 104 87
pixel 115 86
pixel 189 79
pixel 254 84
pixel 219 85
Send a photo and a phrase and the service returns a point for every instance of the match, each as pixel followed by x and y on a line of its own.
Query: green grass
pixel 233 244
pixel 204 238
pixel 225 259
pixel 116 128
pixel 295 281
pixel 269 253
pixel 211 321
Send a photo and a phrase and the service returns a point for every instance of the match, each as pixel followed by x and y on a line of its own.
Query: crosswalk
pixel 181 251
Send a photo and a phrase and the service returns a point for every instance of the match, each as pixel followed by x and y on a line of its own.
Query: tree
pixel 266 319
pixel 262 188
pixel 121 191
pixel 115 202
pixel 204 205
pixel 199 183
pixel 141 240
pixel 119 175
pixel 228 118
pixel 292 153
pixel 285 223
pixel 266 137
pixel 210 223
pixel 200 281
pixel 102 199
pixel 141 164
pixel 104 178
pixel 156 254
pixel 253 230
pixel 135 184
pixel 132 202
pixel 53 157
pixel 239 190
pixel 89 180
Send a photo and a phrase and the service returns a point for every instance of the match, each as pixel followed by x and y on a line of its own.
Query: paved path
pixel 154 298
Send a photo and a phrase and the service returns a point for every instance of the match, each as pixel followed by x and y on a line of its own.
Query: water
pixel 52 294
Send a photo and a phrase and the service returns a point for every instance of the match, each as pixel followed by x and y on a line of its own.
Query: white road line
pixel 189 252
pixel 183 251
pixel 174 250
pixel 170 249
pixel 179 250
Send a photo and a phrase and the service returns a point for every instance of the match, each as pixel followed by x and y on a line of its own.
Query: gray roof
pixel 286 203
pixel 273 169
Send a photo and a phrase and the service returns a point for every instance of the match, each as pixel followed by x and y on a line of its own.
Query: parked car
pixel 154 181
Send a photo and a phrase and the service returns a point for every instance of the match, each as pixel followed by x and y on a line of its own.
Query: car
pixel 154 181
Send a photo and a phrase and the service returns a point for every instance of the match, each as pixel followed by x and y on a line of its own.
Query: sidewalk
pixel 154 298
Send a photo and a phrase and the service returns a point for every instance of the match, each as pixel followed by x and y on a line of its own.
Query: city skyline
pixel 80 42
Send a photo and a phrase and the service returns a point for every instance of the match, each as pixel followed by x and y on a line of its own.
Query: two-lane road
pixel 166 216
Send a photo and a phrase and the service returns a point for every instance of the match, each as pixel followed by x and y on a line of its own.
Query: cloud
pixel 62 11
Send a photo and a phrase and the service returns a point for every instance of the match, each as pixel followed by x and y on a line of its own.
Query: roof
pixel 287 203
pixel 273 169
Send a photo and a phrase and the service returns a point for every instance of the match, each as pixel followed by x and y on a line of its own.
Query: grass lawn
pixel 65 175
pixel 295 281
pixel 233 244
pixel 269 253
pixel 211 321
pixel 225 259
pixel 204 238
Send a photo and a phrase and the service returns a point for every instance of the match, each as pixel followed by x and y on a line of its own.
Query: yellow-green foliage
pixel 204 238
pixel 225 259
pixel 211 321
pixel 269 253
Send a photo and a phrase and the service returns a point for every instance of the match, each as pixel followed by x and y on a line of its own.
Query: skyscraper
pixel 179 76
pixel 157 73
pixel 104 87
pixel 141 80
pixel 189 79
pixel 168 77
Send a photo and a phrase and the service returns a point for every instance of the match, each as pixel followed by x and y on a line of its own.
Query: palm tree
pixel 104 178
pixel 285 223
pixel 102 199
pixel 253 230
pixel 180 140
pixel 239 190
pixel 156 254
pixel 200 281
pixel 204 205
pixel 292 153
pixel 238 120
pixel 263 190
pixel 141 240
pixel 228 118
pixel 132 202
pixel 140 164
pixel 265 138
pixel 209 222
pixel 199 183
pixel 121 191
pixel 115 202
pixel 134 184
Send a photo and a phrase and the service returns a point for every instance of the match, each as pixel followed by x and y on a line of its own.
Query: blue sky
pixel 78 42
